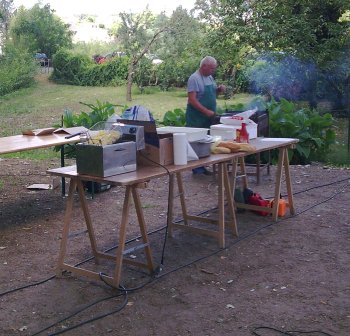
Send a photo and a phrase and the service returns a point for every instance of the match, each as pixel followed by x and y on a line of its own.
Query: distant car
pixel 99 59
pixel 42 59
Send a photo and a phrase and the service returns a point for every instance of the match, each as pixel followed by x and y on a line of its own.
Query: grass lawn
pixel 44 104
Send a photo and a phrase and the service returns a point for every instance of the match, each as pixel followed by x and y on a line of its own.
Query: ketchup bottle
pixel 243 136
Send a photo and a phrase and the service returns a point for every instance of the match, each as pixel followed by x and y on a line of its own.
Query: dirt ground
pixel 293 275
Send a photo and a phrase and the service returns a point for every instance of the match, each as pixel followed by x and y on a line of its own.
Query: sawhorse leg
pixel 118 259
pixel 283 163
pixel 223 187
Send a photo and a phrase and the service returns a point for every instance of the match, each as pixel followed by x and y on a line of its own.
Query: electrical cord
pixel 320 186
pixel 289 332
pixel 76 265
pixel 98 317
pixel 168 211
pixel 81 310
pixel 27 286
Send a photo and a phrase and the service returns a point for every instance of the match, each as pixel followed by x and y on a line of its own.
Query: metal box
pixel 202 149
pixel 106 160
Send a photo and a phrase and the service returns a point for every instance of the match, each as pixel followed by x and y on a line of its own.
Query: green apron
pixel 195 118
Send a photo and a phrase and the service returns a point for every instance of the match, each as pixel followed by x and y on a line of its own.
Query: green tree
pixel 185 38
pixel 136 35
pixel 6 9
pixel 309 29
pixel 313 31
pixel 39 29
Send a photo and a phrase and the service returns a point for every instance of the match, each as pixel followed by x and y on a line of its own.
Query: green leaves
pixel 314 131
pixel 76 69
pixel 39 29
pixel 176 117
pixel 100 111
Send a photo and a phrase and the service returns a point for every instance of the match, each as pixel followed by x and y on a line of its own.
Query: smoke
pixel 282 75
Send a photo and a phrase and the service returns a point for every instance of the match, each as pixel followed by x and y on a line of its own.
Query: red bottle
pixel 243 135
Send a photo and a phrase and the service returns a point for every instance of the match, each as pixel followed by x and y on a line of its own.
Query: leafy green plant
pixel 177 117
pixel 78 69
pixel 99 112
pixel 314 131
pixel 17 70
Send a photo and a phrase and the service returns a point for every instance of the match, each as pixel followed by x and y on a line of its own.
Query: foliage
pixel 184 40
pixel 39 30
pixel 314 32
pixel 314 131
pixel 231 107
pixel 75 69
pixel 175 72
pixel 136 35
pixel 69 68
pixel 145 73
pixel 17 70
pixel 93 48
pixel 309 30
pixel 6 8
pixel 99 112
pixel 113 72
pixel 177 117
pixel 334 82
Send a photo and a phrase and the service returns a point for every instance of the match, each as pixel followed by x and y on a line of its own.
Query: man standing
pixel 201 92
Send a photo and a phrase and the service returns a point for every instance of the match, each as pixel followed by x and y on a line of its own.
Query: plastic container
pixel 193 134
pixel 282 207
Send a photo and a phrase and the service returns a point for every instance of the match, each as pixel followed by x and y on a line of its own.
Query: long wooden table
pixel 138 179
pixel 20 143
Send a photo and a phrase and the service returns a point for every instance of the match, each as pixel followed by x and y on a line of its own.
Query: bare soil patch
pixel 289 275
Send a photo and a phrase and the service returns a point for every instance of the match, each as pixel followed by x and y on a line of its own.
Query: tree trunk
pixel 129 83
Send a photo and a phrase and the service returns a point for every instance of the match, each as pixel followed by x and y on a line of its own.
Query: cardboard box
pixel 228 132
pixel 160 152
pixel 158 149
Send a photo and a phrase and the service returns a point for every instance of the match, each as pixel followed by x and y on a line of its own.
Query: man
pixel 201 104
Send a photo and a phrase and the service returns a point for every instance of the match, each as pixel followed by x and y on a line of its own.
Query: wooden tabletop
pixel 145 173
pixel 18 143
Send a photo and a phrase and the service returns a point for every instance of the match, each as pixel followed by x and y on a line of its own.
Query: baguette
pixel 246 147
pixel 220 150
pixel 234 147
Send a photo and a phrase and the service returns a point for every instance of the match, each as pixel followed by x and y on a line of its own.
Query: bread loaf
pixel 246 147
pixel 234 147
pixel 220 150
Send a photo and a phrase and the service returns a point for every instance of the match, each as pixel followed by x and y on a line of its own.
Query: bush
pixel 175 72
pixel 76 69
pixel 17 70
pixel 314 131
pixel 69 68
pixel 98 112
pixel 177 117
